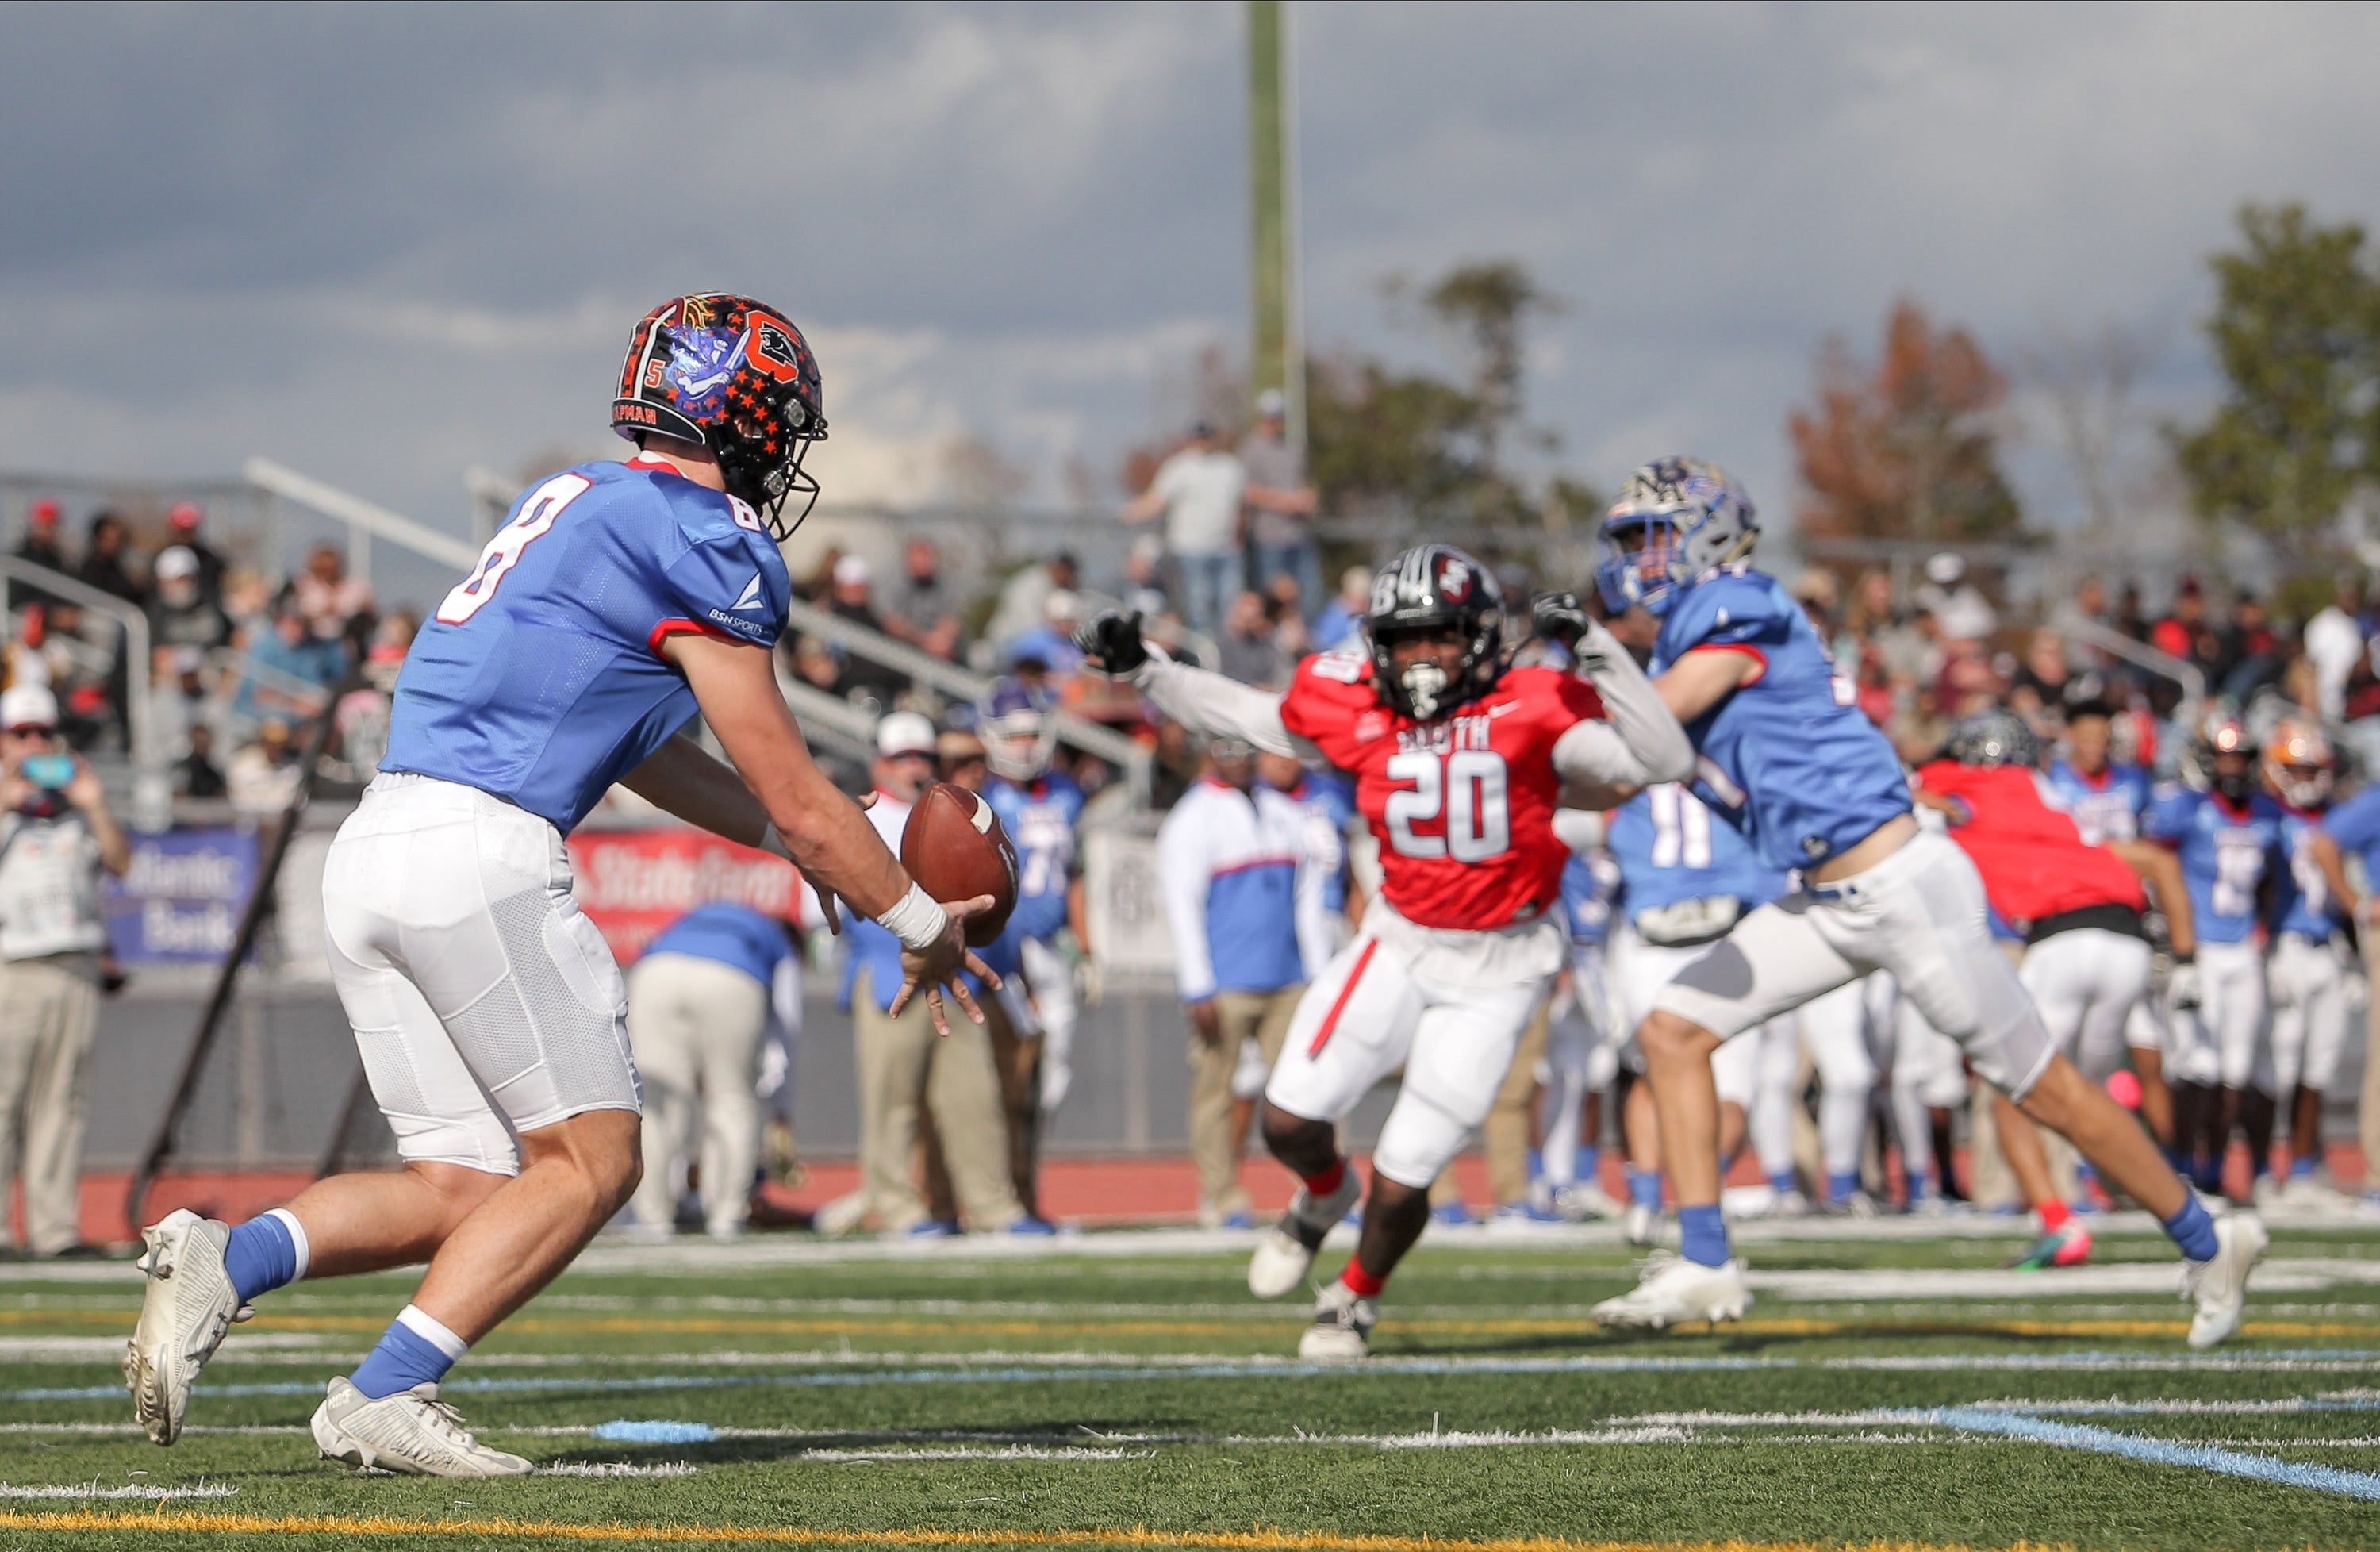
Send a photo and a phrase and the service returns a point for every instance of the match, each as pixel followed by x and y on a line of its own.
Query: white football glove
pixel 2183 991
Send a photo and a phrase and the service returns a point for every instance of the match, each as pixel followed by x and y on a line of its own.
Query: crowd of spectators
pixel 240 661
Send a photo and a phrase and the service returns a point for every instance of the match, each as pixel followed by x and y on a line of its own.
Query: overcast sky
pixel 384 244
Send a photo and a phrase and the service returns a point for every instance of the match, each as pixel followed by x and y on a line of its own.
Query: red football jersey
pixel 1462 807
pixel 2033 859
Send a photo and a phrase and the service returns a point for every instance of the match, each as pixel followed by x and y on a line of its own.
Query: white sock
pixel 1842 1128
pixel 431 1330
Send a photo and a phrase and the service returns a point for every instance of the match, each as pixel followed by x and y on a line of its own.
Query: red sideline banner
pixel 633 884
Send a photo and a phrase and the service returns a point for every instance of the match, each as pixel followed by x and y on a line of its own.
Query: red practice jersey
pixel 2033 859
pixel 1462 807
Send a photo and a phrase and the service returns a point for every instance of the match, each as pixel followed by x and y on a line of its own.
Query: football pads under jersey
pixel 1463 805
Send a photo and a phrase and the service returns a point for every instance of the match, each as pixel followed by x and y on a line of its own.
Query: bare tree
pixel 2088 380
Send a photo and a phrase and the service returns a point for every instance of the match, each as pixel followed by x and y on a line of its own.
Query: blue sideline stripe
pixel 2166 1452
pixel 1251 1369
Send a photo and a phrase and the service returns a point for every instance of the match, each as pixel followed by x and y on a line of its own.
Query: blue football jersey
pixel 540 677
pixel 2355 825
pixel 2301 900
pixel 2106 808
pixel 1040 819
pixel 1590 882
pixel 730 934
pixel 1788 757
pixel 2225 852
pixel 1668 848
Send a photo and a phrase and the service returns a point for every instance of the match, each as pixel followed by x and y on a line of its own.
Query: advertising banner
pixel 633 884
pixel 180 902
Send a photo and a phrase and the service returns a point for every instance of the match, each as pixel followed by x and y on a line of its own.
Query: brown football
pixel 955 847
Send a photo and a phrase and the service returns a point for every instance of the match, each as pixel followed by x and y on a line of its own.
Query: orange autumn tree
pixel 1905 446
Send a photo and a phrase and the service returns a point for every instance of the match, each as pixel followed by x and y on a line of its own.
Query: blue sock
pixel 1645 1188
pixel 1703 1235
pixel 1921 1188
pixel 1840 1184
pixel 2301 1169
pixel 264 1254
pixel 1588 1171
pixel 415 1350
pixel 1781 1181
pixel 2179 1160
pixel 1537 1165
pixel 2192 1230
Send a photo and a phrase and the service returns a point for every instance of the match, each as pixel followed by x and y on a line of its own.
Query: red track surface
pixel 1087 1191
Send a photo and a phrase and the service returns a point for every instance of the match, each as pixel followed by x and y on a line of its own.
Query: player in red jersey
pixel 1459 762
pixel 2080 908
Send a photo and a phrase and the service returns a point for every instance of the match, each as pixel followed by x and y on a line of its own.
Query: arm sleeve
pixel 1581 830
pixel 1222 707
pixel 2164 821
pixel 1319 861
pixel 1183 871
pixel 1648 732
pixel 726 586
pixel 2351 824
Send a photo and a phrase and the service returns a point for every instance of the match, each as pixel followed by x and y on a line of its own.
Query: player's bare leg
pixel 2253 1112
pixel 2157 1099
pixel 1640 1134
pixel 1703 1282
pixel 2063 1241
pixel 1328 1189
pixel 1394 1216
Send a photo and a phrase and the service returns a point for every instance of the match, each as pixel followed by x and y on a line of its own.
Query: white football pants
pixel 696 1025
pixel 2086 983
pixel 2311 1011
pixel 2228 1038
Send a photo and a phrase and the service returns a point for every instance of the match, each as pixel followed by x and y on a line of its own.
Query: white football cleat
pixel 1584 1202
pixel 2219 1287
pixel 1286 1252
pixel 1642 1225
pixel 1342 1332
pixel 412 1432
pixel 1672 1290
pixel 188 1307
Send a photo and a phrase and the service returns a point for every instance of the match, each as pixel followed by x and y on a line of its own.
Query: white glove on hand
pixel 2182 988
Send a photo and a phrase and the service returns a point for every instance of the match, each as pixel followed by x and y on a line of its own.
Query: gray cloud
pixel 385 243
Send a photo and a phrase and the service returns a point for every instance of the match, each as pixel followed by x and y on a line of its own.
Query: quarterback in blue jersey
pixel 1787 756
pixel 617 601
pixel 2227 834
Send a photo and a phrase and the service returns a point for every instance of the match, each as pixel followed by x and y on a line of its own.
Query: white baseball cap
pixel 904 732
pixel 852 571
pixel 176 563
pixel 1271 403
pixel 28 706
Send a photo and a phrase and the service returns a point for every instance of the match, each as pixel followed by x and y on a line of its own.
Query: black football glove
pixel 1560 618
pixel 1110 642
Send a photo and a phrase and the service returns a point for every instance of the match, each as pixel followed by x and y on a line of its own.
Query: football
pixel 954 845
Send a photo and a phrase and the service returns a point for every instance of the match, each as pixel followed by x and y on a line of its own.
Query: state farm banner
pixel 180 900
pixel 633 884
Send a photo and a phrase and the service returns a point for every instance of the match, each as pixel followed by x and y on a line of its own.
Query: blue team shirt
pixel 1040 819
pixel 2301 901
pixel 2106 809
pixel 2355 825
pixel 1788 758
pixel 2225 855
pixel 733 935
pixel 540 677
pixel 1669 848
pixel 1328 799
pixel 1590 882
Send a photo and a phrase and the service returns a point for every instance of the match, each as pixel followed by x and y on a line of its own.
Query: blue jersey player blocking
pixel 1787 757
pixel 617 601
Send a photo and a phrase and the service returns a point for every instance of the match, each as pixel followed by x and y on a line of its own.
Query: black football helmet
pixel 1430 588
pixel 1993 738
pixel 730 373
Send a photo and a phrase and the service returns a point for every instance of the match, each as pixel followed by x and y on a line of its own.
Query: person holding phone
pixel 55 835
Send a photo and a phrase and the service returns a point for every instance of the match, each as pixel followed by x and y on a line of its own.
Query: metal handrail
pixel 825 716
pixel 965 684
pixel 135 621
pixel 365 520
pixel 2115 644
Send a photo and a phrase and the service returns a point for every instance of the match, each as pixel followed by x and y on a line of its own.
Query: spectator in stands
pixel 2253 653
pixel 854 598
pixel 195 774
pixel 2076 617
pixel 107 560
pixel 290 650
pixel 1246 644
pixel 2038 691
pixel 2334 641
pixel 327 595
pixel 1227 863
pixel 1285 611
pixel 1341 620
pixel 264 775
pixel 2184 633
pixel 1960 609
pixel 1144 577
pixel 1280 500
pixel 1198 490
pixel 1051 643
pixel 958 754
pixel 903 1064
pixel 181 613
pixel 1027 588
pixel 57 836
pixel 814 664
pixel 41 546
pixel 180 699
pixel 924 611
pixel 183 519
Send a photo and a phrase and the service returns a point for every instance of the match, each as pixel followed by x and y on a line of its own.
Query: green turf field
pixel 1889 1385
